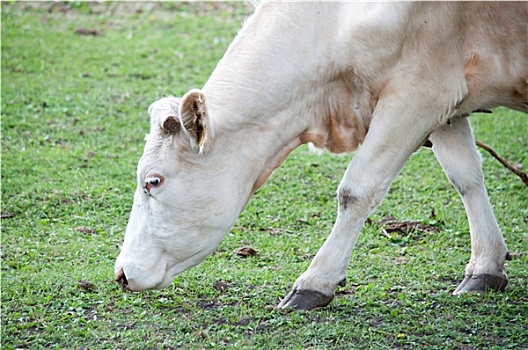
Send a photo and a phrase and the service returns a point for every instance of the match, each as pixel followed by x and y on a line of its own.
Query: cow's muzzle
pixel 122 280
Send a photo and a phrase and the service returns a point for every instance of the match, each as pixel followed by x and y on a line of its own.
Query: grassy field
pixel 76 82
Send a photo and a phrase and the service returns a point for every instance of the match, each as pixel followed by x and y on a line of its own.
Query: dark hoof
pixel 481 284
pixel 305 300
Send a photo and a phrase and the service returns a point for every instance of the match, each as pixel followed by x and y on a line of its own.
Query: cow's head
pixel 185 201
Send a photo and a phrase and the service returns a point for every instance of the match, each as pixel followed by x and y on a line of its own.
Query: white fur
pixel 384 75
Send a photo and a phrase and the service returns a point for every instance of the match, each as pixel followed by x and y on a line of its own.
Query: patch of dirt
pixel 389 224
pixel 376 322
pixel 133 8
pixel 214 304
pixel 348 291
pixel 88 32
pixel 85 230
pixel 220 286
pixel 209 305
pixel 243 322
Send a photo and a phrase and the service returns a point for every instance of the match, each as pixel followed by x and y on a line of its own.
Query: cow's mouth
pixel 122 280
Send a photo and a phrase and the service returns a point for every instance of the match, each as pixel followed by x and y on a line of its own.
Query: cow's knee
pixel 359 201
pixel 347 198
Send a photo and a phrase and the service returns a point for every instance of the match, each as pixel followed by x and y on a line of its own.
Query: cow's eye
pixel 152 181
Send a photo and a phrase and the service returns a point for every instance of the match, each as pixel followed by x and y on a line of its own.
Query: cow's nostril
pixel 122 280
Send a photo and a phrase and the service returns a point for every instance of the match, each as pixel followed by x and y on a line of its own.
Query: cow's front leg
pixel 454 147
pixel 315 288
pixel 387 147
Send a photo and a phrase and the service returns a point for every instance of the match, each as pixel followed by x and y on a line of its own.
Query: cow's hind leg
pixel 454 147
pixel 393 136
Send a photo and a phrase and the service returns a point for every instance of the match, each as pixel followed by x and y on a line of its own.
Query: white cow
pixel 386 76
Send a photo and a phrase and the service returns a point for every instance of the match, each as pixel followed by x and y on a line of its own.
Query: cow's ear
pixel 164 115
pixel 195 121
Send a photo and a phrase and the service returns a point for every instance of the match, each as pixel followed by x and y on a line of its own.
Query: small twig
pixel 512 168
pixel 385 233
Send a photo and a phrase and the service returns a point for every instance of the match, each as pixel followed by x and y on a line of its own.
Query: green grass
pixel 73 121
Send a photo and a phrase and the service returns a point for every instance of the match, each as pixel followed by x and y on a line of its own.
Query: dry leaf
pixel 245 252
pixel 85 285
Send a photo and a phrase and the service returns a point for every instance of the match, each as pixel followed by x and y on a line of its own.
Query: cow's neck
pixel 266 99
